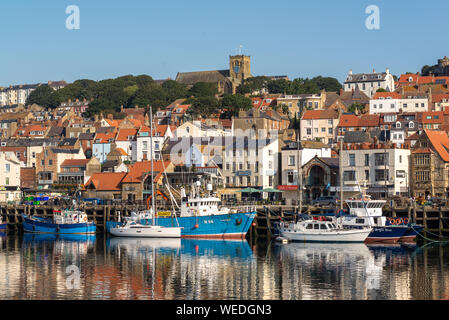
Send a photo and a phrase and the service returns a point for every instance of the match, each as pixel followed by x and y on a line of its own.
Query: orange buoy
pixel 197 226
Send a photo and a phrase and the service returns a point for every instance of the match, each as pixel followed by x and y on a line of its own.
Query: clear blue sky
pixel 160 38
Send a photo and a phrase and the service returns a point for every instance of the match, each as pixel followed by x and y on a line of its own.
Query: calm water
pixel 45 267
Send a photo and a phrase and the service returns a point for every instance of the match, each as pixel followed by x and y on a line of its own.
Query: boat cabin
pixel 69 217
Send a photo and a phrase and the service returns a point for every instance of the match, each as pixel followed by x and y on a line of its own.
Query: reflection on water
pixel 36 267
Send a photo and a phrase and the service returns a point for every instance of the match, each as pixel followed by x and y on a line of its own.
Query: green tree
pixel 204 106
pixel 44 96
pixel 203 89
pixel 381 90
pixel 235 103
pixel 356 106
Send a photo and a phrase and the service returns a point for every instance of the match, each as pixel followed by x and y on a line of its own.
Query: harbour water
pixel 104 268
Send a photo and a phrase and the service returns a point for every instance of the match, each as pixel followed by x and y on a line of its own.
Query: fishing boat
pixel 322 231
pixel 367 212
pixel 2 225
pixel 202 217
pixel 63 222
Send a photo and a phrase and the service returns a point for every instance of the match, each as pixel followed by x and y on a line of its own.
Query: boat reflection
pixel 193 247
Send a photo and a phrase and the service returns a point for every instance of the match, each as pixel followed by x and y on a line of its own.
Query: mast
pixel 152 167
pixel 298 166
pixel 341 174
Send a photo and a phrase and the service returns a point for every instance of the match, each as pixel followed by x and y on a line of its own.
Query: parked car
pixel 325 201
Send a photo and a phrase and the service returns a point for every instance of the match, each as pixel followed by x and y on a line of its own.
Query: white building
pixel 393 102
pixel 199 129
pixel 369 83
pixel 251 163
pixel 143 142
pixel 380 169
pixel 289 164
pixel 10 177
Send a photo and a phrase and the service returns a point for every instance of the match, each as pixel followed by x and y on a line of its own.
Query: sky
pixel 161 38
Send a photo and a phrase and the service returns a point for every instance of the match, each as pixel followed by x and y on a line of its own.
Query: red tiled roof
pixel 123 134
pixel 351 120
pixel 74 162
pixel 320 114
pixel 139 169
pixel 104 137
pixel 106 181
pixel 435 117
pixel 387 95
pixel 440 142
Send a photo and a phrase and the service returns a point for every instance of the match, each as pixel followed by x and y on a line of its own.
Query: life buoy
pixel 238 221
pixel 398 221
pixel 392 221
pixel 406 220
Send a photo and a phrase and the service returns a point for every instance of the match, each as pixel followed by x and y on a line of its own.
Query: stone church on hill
pixel 227 80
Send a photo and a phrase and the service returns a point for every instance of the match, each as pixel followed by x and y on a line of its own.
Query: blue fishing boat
pixel 200 217
pixel 63 222
pixel 2 225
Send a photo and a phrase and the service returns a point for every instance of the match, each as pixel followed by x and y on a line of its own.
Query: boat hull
pixel 346 236
pixel 386 234
pixel 46 226
pixel 220 226
pixel 411 233
pixel 146 232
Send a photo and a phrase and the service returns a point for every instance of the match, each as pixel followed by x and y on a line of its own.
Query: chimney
pixel 350 71
pixel 388 70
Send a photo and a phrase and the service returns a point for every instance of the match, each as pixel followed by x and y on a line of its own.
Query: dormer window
pixel 364 77
pixel 410 79
pixel 398 125
pixel 411 125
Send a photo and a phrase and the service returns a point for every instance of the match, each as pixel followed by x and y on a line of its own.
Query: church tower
pixel 239 70
pixel 239 67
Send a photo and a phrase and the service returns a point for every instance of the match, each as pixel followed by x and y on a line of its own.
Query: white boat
pixel 322 231
pixel 134 229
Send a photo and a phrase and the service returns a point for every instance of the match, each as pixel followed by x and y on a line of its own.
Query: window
pixel 422 176
pixel 7 181
pixel 256 167
pixel 144 145
pixel 380 159
pixel 291 160
pixel 366 159
pixel 270 164
pixel 309 131
pixel 349 176
pixel 50 162
pixel 330 122
pixel 367 175
pixel 352 159
pixel 422 159
pixel 330 130
pixel 290 177
pixel 381 175
pixel 228 166
pixel 270 181
pixel 7 167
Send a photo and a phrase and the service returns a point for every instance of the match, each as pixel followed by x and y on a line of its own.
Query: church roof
pixel 190 78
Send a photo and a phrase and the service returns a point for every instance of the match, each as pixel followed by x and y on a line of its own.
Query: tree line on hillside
pixel 297 86
pixel 107 96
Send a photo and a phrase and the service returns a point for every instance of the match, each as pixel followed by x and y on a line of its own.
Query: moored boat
pixel 135 229
pixel 321 231
pixel 63 222
pixel 366 212
pixel 201 217
pixel 2 225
